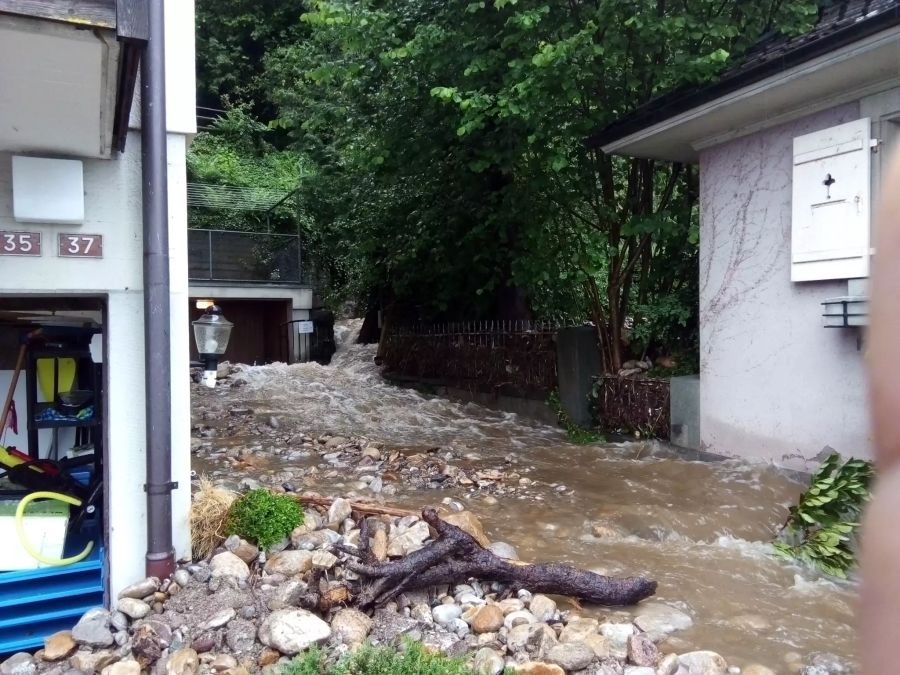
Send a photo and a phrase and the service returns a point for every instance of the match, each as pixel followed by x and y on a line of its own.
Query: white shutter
pixel 830 213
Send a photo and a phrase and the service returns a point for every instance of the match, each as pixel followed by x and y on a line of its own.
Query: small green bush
pixel 263 517
pixel 576 434
pixel 369 660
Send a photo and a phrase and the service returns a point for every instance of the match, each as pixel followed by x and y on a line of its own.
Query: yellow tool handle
pixel 20 529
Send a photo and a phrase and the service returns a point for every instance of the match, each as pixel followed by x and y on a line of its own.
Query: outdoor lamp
pixel 211 333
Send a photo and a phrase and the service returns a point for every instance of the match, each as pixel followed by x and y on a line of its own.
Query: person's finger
pixel 884 330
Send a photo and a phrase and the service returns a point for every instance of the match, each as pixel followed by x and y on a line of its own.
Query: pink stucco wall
pixel 775 384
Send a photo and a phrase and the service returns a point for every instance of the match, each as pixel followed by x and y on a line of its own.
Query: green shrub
pixel 574 432
pixel 263 517
pixel 369 660
pixel 820 528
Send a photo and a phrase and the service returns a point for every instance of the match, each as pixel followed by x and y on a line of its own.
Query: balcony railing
pixel 244 257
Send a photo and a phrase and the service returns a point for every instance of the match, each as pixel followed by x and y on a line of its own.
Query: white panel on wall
pixel 48 190
pixel 831 203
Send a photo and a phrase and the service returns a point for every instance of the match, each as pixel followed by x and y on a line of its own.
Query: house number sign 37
pixel 20 243
pixel 80 245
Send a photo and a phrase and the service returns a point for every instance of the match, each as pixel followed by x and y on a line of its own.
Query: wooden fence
pixel 627 405
pixel 516 358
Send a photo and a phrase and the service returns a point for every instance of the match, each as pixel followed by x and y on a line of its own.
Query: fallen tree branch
pixel 455 557
pixel 363 508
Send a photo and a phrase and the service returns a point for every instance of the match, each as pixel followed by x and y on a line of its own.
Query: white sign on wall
pixel 305 327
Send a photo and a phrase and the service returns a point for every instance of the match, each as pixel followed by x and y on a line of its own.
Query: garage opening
pixel 52 432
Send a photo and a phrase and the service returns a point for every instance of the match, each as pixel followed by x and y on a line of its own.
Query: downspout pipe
pixel 160 559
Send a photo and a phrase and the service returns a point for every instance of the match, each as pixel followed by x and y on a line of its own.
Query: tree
pixel 452 172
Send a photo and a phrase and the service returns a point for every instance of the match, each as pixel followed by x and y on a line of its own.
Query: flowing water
pixel 700 529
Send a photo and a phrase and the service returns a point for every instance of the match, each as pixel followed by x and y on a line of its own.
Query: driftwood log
pixel 455 557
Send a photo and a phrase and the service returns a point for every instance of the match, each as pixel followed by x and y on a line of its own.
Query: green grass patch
pixel 411 659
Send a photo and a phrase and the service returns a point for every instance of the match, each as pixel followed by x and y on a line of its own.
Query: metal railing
pixel 244 257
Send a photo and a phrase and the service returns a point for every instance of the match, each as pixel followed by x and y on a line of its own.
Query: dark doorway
pixel 257 334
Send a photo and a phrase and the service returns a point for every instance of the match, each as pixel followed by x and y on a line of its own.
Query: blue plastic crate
pixel 34 604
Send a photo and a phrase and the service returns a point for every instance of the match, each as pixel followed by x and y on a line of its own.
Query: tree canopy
pixel 450 172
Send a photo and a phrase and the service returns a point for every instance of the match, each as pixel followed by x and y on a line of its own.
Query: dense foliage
pixel 452 172
pixel 264 518
pixel 821 526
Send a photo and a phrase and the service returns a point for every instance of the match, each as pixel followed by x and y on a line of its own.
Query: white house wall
pixel 775 384
pixel 113 209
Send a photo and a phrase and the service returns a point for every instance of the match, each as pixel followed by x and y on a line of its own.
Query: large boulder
pixel 292 631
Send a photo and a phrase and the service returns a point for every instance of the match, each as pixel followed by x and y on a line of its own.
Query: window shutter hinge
pixel 874 143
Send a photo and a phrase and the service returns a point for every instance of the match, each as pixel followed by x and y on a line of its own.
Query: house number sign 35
pixel 20 243
pixel 80 245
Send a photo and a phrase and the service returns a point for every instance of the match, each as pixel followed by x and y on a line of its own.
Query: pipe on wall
pixel 160 560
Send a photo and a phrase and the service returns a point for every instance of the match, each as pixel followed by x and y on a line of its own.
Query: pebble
pixel 543 608
pixel 93 629
pixel 227 565
pixel 488 662
pixel 511 605
pixel 339 510
pixel 183 662
pixel 642 651
pixel 445 614
pixel 141 589
pixel 703 663
pixel 488 619
pixel 571 656
pixel 133 608
pixel 289 563
pixel 522 616
pixel 538 668
pixel 579 628
pixel 617 634
pixel 217 620
pixel 129 667
pixel 19 664
pixel 59 646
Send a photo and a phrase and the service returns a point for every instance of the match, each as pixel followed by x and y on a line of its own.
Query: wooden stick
pixel 359 507
pixel 12 388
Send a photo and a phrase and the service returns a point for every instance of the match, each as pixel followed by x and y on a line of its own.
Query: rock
pixel 660 619
pixel 578 629
pixel 378 545
pixel 141 589
pixel 182 577
pixel 123 668
pixel 332 443
pixel 668 665
pixel 468 522
pixel 487 619
pixel 639 670
pixel 126 667
pixel 204 643
pixel 292 631
pixel 339 510
pixel 59 646
pixel 488 662
pixel 289 563
pixel 642 651
pixel 543 608
pixel 599 644
pixel 268 657
pixel 445 614
pixel 823 663
pixel 242 548
pixel 227 565
pixel 93 629
pixel 323 560
pixel 150 639
pixel 757 669
pixel 460 627
pixel 183 662
pixel 702 663
pixel 410 541
pixel 513 619
pixel 240 636
pixel 503 550
pixel 351 626
pixel 223 662
pixel 119 621
pixel 571 656
pixel 19 664
pixel 617 634
pixel 92 662
pixel 535 638
pixel 132 608
pixel 217 620
pixel 538 668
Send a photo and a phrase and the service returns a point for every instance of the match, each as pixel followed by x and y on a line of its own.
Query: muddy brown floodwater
pixel 700 529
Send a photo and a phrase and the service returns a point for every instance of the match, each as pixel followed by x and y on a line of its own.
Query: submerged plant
pixel 574 432
pixel 263 517
pixel 820 529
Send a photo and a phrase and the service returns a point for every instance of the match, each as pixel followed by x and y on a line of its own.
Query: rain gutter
pixel 160 558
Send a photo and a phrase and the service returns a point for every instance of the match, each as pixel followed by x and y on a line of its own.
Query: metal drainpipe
pixel 160 559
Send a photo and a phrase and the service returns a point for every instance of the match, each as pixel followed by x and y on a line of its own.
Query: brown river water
pixel 701 529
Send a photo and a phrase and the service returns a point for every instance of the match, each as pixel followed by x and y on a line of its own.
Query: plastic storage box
pixel 45 525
